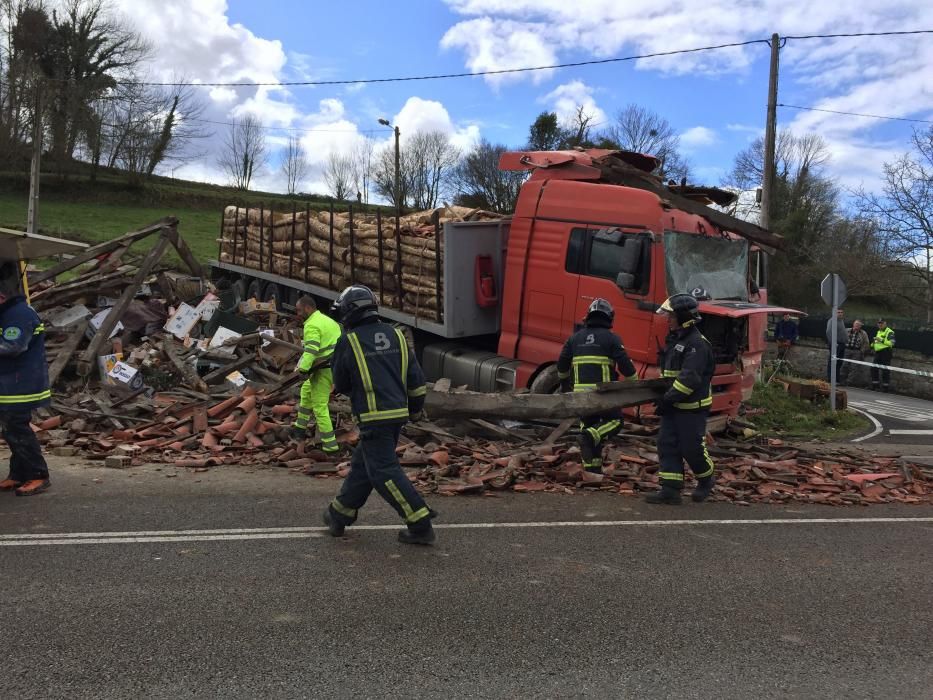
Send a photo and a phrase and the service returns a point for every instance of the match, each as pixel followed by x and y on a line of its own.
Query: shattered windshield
pixel 719 265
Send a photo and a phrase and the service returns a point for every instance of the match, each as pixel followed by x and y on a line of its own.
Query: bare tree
pixel 244 152
pixel 431 159
pixel 641 130
pixel 903 212
pixel 295 164
pixel 576 129
pixel 481 184
pixel 362 157
pixel 338 175
pixel 383 176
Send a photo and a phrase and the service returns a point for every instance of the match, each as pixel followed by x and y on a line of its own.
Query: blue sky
pixel 715 100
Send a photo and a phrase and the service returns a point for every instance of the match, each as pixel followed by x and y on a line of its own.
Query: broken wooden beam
pixel 66 352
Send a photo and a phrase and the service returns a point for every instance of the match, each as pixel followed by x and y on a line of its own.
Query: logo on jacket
pixel 12 333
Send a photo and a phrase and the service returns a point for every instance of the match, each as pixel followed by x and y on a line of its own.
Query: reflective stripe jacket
pixel 24 376
pixel 373 366
pixel 689 358
pixel 592 355
pixel 884 340
pixel 320 338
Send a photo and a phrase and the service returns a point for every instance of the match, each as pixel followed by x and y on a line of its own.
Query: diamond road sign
pixel 826 288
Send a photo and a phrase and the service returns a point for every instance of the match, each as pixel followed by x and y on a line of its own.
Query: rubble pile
pixel 336 249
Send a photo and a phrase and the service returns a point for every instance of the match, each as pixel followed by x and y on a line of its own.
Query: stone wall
pixel 808 359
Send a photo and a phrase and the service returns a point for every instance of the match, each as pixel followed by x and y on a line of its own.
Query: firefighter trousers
pixel 315 397
pixel 683 438
pixel 375 466
pixel 594 430
pixel 26 460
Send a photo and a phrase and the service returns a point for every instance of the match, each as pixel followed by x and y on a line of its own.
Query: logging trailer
pixel 587 224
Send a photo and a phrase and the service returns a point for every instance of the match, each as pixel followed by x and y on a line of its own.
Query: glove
pixel 419 416
pixel 660 407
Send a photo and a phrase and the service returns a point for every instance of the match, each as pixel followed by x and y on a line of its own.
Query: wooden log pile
pixel 335 249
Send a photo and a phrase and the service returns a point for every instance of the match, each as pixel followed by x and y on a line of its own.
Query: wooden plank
pixel 100 249
pixel 184 251
pixel 103 333
pixel 221 372
pixel 66 352
pixel 188 373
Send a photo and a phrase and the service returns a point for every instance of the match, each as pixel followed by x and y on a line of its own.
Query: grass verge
pixel 789 416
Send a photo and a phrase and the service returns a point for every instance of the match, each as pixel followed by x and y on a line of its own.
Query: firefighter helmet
pixel 683 307
pixel 600 309
pixel 354 304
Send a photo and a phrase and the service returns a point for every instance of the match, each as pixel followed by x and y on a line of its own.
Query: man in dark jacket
pixel 372 365
pixel 688 358
pixel 590 356
pixel 24 386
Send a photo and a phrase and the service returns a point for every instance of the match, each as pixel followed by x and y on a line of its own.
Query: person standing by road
pixel 373 366
pixel 786 334
pixel 688 357
pixel 320 338
pixel 592 355
pixel 840 343
pixel 883 347
pixel 24 386
pixel 857 344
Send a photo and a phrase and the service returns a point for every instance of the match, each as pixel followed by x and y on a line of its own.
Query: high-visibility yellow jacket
pixel 320 336
pixel 884 339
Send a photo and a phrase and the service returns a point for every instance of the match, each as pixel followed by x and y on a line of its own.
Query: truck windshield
pixel 719 265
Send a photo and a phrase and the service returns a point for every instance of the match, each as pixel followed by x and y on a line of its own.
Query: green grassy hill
pixel 88 211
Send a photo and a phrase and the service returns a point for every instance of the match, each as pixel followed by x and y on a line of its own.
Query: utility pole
pixel 398 180
pixel 32 221
pixel 770 137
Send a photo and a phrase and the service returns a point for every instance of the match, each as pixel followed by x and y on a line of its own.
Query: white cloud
pixel 566 98
pixel 419 114
pixel 697 137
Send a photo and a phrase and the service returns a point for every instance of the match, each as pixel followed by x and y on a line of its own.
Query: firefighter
pixel 24 386
pixel 688 357
pixel 883 347
pixel 590 356
pixel 320 336
pixel 374 367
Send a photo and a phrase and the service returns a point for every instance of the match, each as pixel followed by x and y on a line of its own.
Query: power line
pixel 857 34
pixel 292 128
pixel 858 114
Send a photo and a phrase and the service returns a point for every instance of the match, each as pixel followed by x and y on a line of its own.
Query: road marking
pixel 910 432
pixel 273 533
pixel 892 409
pixel 875 422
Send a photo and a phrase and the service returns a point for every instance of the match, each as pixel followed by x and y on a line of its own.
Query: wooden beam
pixel 184 251
pixel 188 373
pixel 101 249
pixel 103 333
pixel 66 351
pixel 537 406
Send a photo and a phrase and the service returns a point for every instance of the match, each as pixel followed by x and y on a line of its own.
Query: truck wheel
pixel 547 381
pixel 273 290
pixel 254 291
pixel 239 290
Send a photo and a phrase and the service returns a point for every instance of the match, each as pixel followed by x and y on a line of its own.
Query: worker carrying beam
pixel 24 385
pixel 688 359
pixel 320 337
pixel 590 356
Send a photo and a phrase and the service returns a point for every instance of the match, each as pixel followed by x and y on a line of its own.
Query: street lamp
pixel 398 182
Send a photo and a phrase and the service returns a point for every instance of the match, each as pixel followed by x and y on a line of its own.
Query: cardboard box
pixel 105 363
pixel 236 381
pixel 208 306
pixel 97 321
pixel 220 337
pixel 252 306
pixel 182 322
pixel 124 375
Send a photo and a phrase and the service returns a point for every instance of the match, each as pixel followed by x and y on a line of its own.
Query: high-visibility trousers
pixel 594 430
pixel 315 397
pixel 683 438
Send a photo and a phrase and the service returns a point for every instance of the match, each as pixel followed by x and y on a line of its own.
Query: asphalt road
pixel 805 605
pixel 900 419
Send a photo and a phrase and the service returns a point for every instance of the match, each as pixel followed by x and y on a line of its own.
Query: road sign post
pixel 833 290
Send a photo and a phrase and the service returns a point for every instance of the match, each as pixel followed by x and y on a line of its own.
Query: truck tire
pixel 273 289
pixel 547 381
pixel 239 290
pixel 254 291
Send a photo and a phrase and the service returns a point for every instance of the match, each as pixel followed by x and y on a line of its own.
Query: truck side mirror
pixel 625 280
pixel 631 255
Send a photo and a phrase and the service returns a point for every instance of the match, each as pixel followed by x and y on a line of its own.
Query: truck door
pixel 615 264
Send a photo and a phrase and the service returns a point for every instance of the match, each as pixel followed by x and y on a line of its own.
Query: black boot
pixel 335 528
pixel 667 495
pixel 703 490
pixel 419 537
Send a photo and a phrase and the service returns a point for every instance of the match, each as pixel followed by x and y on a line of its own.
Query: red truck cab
pixel 574 238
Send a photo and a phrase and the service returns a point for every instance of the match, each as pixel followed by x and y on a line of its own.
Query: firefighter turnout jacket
pixel 320 338
pixel 688 358
pixel 592 355
pixel 372 365
pixel 884 339
pixel 24 376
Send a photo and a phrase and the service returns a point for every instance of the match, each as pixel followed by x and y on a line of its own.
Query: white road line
pixel 875 422
pixel 910 432
pixel 272 533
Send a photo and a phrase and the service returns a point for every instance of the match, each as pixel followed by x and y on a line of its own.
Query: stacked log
pixel 326 249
